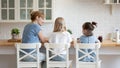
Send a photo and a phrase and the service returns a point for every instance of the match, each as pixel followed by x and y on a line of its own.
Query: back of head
pixel 34 14
pixel 89 27
pixel 59 25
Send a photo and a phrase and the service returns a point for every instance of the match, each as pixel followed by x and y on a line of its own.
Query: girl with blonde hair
pixel 59 25
pixel 60 35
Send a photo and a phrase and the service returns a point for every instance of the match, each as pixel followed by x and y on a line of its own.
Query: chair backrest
pixel 22 53
pixel 56 49
pixel 87 53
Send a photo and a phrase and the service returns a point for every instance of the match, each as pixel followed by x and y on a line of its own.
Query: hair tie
pixel 94 24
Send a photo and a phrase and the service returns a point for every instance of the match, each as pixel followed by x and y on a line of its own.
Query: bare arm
pixel 42 38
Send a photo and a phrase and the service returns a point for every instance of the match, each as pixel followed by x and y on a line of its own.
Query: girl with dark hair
pixel 88 28
pixel 88 37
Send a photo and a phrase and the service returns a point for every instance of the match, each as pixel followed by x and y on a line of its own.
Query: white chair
pixel 50 47
pixel 85 54
pixel 20 47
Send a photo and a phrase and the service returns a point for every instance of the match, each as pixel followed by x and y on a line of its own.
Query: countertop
pixel 9 42
pixel 107 47
pixel 12 42
pixel 109 43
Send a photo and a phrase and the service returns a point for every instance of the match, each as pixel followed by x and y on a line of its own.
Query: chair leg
pixel 40 65
pixel 71 66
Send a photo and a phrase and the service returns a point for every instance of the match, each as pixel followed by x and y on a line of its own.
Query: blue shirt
pixel 30 33
pixel 88 39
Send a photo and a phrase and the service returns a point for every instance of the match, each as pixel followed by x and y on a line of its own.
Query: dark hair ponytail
pixel 89 27
pixel 94 24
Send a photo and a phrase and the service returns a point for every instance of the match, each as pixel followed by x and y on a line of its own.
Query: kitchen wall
pixel 76 12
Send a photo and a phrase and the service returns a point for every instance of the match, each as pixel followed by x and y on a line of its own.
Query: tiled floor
pixel 72 57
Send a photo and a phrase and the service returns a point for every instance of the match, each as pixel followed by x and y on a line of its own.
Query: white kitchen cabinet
pixel 25 6
pixel 46 6
pixel 112 1
pixel 19 10
pixel 7 10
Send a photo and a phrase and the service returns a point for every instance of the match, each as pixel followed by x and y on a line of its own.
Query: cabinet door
pixel 45 6
pixel 48 9
pixel 112 1
pixel 25 8
pixel 19 10
pixel 7 9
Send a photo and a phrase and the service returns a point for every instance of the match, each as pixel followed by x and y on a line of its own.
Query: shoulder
pixel 32 25
pixel 66 33
pixel 36 25
pixel 82 36
pixel 52 33
pixel 94 37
